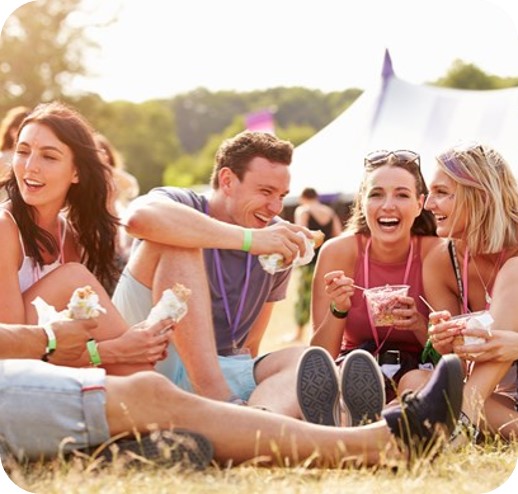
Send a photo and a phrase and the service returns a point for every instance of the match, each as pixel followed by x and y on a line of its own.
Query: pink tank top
pixel 358 328
pixel 30 272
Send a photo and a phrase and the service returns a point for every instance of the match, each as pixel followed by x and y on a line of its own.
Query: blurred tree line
pixel 169 141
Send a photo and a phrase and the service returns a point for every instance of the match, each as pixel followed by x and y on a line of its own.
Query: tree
pixel 41 51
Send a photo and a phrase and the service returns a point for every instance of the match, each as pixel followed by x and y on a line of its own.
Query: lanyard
pixel 233 323
pixel 366 282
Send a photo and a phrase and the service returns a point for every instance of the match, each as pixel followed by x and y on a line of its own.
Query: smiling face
pixel 43 166
pixel 391 203
pixel 441 203
pixel 255 200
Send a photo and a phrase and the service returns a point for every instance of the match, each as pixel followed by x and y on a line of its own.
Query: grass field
pixel 471 470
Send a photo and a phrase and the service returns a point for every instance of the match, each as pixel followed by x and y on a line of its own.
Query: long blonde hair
pixel 486 195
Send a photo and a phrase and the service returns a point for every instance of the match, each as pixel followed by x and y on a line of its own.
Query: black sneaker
pixel 362 387
pixel 416 419
pixel 317 387
pixel 181 447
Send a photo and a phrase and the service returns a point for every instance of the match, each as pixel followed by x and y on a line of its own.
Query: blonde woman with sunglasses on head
pixel 474 198
pixel 385 241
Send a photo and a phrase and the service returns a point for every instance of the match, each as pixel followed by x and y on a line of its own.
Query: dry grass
pixel 471 470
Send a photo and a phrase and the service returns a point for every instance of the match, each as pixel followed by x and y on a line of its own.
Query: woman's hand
pixel 442 331
pixel 498 346
pixel 339 288
pixel 407 317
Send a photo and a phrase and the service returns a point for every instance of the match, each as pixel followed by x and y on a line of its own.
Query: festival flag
pixel 260 121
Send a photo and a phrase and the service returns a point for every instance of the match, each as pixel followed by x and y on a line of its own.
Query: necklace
pixel 487 296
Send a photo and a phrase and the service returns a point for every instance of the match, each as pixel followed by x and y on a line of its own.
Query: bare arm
pixel 12 308
pixel 24 341
pixel 331 284
pixel 168 222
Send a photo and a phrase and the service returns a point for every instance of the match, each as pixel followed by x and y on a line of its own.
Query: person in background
pixel 314 215
pixel 386 240
pixel 474 198
pixel 8 131
pixel 125 189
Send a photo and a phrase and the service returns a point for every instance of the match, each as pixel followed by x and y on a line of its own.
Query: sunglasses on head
pixel 403 155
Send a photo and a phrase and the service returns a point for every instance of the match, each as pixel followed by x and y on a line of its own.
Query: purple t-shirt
pixel 262 288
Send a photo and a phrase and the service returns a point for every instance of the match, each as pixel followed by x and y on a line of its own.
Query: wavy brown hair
pixel 86 201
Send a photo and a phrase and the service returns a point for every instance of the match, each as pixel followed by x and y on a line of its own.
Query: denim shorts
pixel 46 409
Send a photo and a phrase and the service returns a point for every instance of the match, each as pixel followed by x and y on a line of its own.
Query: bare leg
pixel 56 289
pixel 500 411
pixel 237 433
pixel 160 267
pixel 276 376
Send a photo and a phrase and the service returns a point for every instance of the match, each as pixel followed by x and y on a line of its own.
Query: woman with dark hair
pixel 384 242
pixel 56 214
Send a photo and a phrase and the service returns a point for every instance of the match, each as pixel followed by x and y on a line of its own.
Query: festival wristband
pixel 339 314
pixel 95 358
pixel 247 240
pixel 51 342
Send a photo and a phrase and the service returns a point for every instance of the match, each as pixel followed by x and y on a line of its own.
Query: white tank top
pixel 30 272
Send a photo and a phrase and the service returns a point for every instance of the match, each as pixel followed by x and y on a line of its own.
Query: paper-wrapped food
pixel 83 304
pixel 274 263
pixel 172 304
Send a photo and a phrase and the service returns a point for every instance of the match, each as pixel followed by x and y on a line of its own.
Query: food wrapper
pixel 274 263
pixel 84 304
pixel 172 305
pixel 474 320
pixel 382 300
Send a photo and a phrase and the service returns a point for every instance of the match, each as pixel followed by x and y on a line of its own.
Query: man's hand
pixel 280 238
pixel 71 338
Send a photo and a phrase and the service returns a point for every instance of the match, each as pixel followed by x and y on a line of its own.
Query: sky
pixel 157 48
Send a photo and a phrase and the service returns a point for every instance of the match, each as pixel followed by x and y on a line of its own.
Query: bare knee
pixel 413 380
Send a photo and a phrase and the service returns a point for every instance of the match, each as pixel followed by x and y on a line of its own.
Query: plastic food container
pixel 382 300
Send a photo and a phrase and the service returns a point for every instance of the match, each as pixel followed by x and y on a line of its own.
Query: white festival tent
pixel 395 114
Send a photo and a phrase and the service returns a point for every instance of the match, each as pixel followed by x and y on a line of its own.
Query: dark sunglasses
pixel 403 155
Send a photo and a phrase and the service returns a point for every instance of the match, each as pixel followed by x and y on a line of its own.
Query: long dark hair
pixel 86 201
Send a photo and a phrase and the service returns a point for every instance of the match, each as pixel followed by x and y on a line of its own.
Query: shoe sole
pixel 187 449
pixel 317 387
pixel 362 387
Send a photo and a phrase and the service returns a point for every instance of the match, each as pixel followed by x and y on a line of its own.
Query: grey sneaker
pixel 317 387
pixel 362 387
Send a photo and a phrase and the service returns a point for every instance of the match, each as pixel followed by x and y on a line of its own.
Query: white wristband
pixel 51 342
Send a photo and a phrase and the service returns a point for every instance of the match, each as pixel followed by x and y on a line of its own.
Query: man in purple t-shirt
pixel 211 245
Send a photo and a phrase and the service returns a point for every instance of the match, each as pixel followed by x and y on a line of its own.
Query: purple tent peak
pixel 388 70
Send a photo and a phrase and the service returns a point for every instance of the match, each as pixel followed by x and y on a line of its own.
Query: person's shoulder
pixel 436 250
pixel 345 242
pixel 430 243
